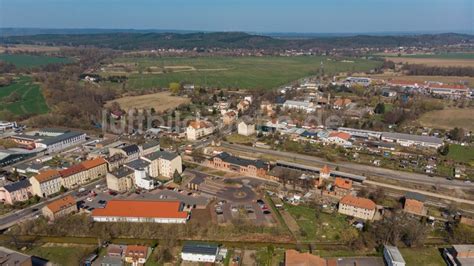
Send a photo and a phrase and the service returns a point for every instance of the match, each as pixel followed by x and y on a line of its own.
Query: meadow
pixel 449 118
pixel 31 99
pixel 30 61
pixel 160 101
pixel 228 72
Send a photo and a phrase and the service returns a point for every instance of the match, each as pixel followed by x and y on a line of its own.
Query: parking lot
pixel 252 212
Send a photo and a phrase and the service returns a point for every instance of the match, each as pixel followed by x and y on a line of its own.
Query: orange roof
pixel 47 175
pixel 343 183
pixel 136 251
pixel 199 124
pixel 447 86
pixel 72 170
pixel 358 202
pixel 326 170
pixel 294 258
pixel 89 164
pixel 342 102
pixel 139 208
pixel 342 135
pixel 61 204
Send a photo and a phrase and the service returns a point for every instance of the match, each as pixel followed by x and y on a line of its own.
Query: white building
pixel 392 256
pixel 143 180
pixel 300 105
pixel 246 129
pixel 409 140
pixel 357 80
pixel 199 252
pixel 163 163
pixel 199 129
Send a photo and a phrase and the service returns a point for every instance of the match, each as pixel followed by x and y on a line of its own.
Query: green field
pixel 463 154
pixel 229 72
pixel 30 61
pixel 31 102
pixel 62 255
pixel 422 256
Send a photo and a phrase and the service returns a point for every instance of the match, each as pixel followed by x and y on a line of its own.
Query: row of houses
pixel 435 88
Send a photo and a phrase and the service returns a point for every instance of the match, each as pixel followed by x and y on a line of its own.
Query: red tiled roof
pixel 343 183
pixel 138 208
pixel 60 204
pixel 136 251
pixel 200 124
pixel 89 164
pixel 326 170
pixel 294 258
pixel 358 202
pixel 47 175
pixel 342 135
pixel 72 170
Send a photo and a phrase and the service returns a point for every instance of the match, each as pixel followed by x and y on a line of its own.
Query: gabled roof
pixel 295 258
pixel 341 135
pixel 200 124
pixel 200 248
pixel 226 157
pixel 72 170
pixel 24 183
pixel 138 164
pixel 47 175
pixel 131 149
pixel 139 208
pixel 343 183
pixel 358 202
pixel 136 251
pixel 161 154
pixel 150 144
pixel 61 204
pixel 89 164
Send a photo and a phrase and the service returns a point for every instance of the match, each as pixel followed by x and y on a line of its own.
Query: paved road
pixel 365 170
pixel 11 218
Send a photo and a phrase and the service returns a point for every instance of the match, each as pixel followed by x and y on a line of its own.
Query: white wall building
pixel 245 129
pixel 300 105
pixel 392 256
pixel 199 252
pixel 199 129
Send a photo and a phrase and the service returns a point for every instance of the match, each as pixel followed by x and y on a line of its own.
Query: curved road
pixel 365 170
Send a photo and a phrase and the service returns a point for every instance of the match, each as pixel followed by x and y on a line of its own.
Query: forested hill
pixel 231 40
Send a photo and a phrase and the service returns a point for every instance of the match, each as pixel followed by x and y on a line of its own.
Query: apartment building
pixel 226 161
pixel 246 129
pixel 120 180
pixel 60 208
pixel 357 207
pixel 163 163
pixel 16 192
pixel 46 183
pixel 198 129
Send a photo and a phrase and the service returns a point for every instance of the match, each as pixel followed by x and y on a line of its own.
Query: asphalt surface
pixel 365 170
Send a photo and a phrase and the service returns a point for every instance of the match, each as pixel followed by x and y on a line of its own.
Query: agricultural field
pixel 228 72
pixel 443 79
pixel 31 61
pixel 160 101
pixel 29 48
pixel 30 98
pixel 435 61
pixel 449 118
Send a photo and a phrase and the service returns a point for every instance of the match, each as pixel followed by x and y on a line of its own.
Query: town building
pixel 342 186
pixel 136 255
pixel 414 203
pixel 51 140
pixel 142 211
pixel 16 192
pixel 308 107
pixel 449 90
pixel 243 105
pixel 46 183
pixel 60 208
pixel 163 163
pixel 120 180
pixel 357 207
pixel 150 146
pixel 10 257
pixel 392 256
pixel 341 103
pixel 95 168
pixel 295 258
pixel 129 152
pixel 73 176
pixel 199 252
pixel 459 255
pixel 229 117
pixel 409 140
pixel 350 81
pixel 226 161
pixel 339 138
pixel 245 129
pixel 141 176
pixel 198 129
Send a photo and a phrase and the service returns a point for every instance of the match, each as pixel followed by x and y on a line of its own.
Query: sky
pixel 315 16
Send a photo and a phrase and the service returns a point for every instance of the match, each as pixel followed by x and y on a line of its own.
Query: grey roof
pixel 463 248
pixel 150 144
pixel 224 156
pixel 403 136
pixel 394 253
pixel 112 261
pixel 200 248
pixel 415 196
pixel 24 183
pixel 11 257
pixel 161 154
pixel 131 149
pixel 138 164
pixel 68 135
pixel 121 172
pixel 54 130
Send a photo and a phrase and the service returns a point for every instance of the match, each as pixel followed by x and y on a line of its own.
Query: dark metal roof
pixel 138 164
pixel 150 144
pixel 131 149
pixel 200 248
pixel 68 135
pixel 24 183
pixel 224 156
pixel 121 172
pixel 161 154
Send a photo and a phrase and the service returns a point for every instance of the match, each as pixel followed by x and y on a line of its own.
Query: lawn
pixel 31 99
pixel 449 118
pixel 229 72
pixel 31 61
pixel 160 101
pixel 239 139
pixel 422 256
pixel 463 154
pixel 320 226
pixel 61 255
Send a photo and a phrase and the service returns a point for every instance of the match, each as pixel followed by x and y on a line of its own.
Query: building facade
pixel 199 129
pixel 60 208
pixel 16 192
pixel 357 207
pixel 246 129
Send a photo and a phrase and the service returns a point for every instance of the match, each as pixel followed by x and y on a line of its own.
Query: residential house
pixel 341 103
pixel 115 161
pixel 199 252
pixel 267 108
pixel 357 207
pixel 199 129
pixel 16 192
pixel 73 176
pixel 339 138
pixel 229 117
pixel 141 174
pixel 342 186
pixel 246 129
pixel 136 255
pixel 95 168
pixel 295 258
pixel 414 203
pixel 120 180
pixel 130 152
pixel 163 163
pixel 10 257
pixel 226 161
pixel 141 211
pixel 243 105
pixel 150 146
pixel 46 183
pixel 392 256
pixel 60 208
